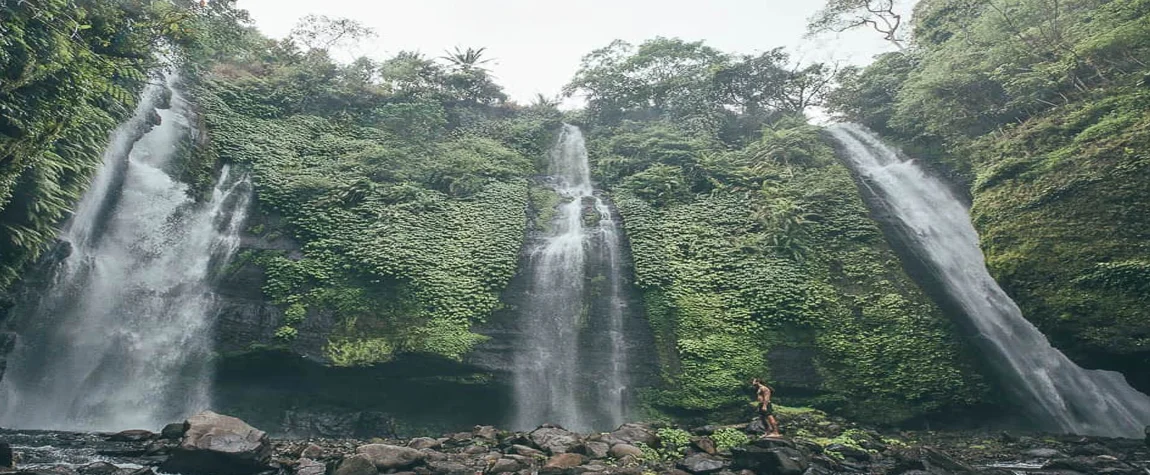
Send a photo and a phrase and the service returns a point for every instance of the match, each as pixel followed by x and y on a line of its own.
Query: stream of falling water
pixel 1062 395
pixel 121 337
pixel 572 368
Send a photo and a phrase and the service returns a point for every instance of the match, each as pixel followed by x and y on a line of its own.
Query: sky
pixel 536 46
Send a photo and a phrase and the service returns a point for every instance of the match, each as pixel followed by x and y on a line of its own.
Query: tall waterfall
pixel 572 367
pixel 1061 395
pixel 121 337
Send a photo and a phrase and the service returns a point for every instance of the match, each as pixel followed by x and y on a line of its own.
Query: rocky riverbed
pixel 213 444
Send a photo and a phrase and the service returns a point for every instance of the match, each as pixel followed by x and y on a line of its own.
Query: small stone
pixel 420 443
pixel 622 450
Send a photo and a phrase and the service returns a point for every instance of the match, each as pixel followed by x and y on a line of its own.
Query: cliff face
pixel 1061 206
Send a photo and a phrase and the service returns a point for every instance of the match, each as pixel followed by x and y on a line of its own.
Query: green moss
pixel 1066 238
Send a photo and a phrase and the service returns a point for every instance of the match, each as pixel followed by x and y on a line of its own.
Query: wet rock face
pixel 215 444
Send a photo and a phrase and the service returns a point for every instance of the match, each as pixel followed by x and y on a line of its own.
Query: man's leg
pixel 774 424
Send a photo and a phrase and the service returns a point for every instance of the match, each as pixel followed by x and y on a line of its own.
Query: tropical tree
pixel 842 15
pixel 321 32
pixel 466 59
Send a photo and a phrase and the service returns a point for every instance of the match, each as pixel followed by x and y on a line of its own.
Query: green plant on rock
pixel 728 437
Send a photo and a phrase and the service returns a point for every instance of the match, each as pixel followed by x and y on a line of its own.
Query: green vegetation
pixel 405 181
pixel 69 72
pixel 750 240
pixel 729 437
pixel 1042 111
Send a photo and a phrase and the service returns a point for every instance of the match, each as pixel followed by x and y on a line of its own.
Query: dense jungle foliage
pixel 1040 108
pixel 752 247
pixel 405 181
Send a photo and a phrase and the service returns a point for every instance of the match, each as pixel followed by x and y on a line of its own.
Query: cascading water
pixel 1061 395
pixel 572 369
pixel 121 338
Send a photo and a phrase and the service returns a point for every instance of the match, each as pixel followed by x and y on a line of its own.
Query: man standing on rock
pixel 764 407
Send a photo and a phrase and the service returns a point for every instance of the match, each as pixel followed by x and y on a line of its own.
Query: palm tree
pixel 543 101
pixel 468 59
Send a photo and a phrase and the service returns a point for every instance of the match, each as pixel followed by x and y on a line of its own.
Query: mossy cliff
pixel 1041 115
pixel 753 265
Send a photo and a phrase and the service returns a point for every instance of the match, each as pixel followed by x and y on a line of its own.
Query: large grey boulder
pixel 702 464
pixel 632 433
pixel 774 461
pixel 554 440
pixel 215 444
pixel 356 465
pixel 388 457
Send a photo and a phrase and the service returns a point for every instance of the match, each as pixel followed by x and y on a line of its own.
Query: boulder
pixel 554 440
pixel 705 445
pixel 445 467
pixel 562 462
pixel 595 450
pixel 505 465
pixel 216 444
pixel 632 433
pixel 307 466
pixel 356 465
pixel 622 450
pixel 420 443
pixel 311 451
pixel 936 460
pixel 701 463
pixel 99 468
pixel 7 458
pixel 174 431
pixel 1043 453
pixel 390 457
pixel 850 452
pixel 485 432
pixel 774 461
pixel 53 470
pixel 525 451
pixel 134 435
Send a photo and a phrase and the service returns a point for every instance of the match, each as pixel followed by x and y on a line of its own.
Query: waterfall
pixel 572 367
pixel 121 336
pixel 1061 395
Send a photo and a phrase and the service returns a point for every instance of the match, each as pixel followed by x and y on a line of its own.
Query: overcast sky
pixel 536 45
